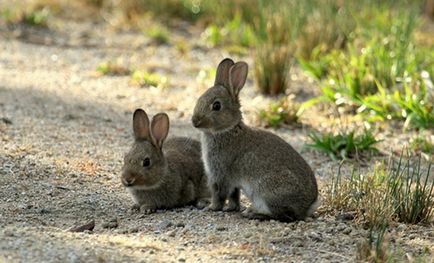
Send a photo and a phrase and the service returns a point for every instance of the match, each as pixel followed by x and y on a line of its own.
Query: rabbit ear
pixel 237 77
pixel 141 125
pixel 222 74
pixel 159 128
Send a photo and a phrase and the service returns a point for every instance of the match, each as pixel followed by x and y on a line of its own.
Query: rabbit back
pixel 184 159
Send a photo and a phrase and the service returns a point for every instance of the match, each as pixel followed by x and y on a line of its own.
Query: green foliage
pixel 381 73
pixel 276 33
pixel 400 192
pixel 144 78
pixel 412 191
pixel 112 68
pixel 159 34
pixel 284 111
pixel 37 17
pixel 30 16
pixel 344 145
pixel 420 144
pixel 375 248
pixel 232 32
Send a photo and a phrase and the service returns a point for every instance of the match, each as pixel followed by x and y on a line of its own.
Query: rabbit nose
pixel 196 121
pixel 128 181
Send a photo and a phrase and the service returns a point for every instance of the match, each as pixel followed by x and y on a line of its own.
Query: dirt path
pixel 64 131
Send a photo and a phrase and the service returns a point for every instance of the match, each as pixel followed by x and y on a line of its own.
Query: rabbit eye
pixel 146 162
pixel 216 106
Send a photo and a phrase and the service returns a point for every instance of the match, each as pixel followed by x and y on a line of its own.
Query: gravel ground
pixel 63 132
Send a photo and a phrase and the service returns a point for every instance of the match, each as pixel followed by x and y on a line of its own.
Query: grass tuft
pixel 159 34
pixel 400 192
pixel 144 78
pixel 284 111
pixel 112 68
pixel 344 145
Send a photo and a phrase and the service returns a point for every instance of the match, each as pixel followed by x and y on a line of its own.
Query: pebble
pixel 171 233
pixel 164 224
pixel 347 230
pixel 112 223
pixel 220 228
pixel 341 226
pixel 180 224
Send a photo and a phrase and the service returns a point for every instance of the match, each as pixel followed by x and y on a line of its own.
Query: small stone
pixel 164 224
pixel 413 236
pixel 247 235
pixel 6 120
pixel 309 219
pixel 171 233
pixel 181 259
pixel 346 216
pixel 133 230
pixel 347 230
pixel 220 228
pixel 44 211
pixel 180 224
pixel 112 223
pixel 341 226
pixel 315 236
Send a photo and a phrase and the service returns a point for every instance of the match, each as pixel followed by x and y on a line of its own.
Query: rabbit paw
pixel 252 214
pixel 146 209
pixel 215 207
pixel 202 203
pixel 135 208
pixel 232 207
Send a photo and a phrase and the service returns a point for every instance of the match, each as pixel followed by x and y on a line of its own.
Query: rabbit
pixel 163 175
pixel 275 178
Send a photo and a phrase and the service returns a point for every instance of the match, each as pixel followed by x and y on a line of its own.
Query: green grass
pixel 144 78
pixel 159 34
pixel 412 191
pixel 344 145
pixel 31 15
pixel 284 111
pixel 112 68
pixel 376 247
pixel 232 32
pixel 422 145
pixel 381 74
pixel 403 191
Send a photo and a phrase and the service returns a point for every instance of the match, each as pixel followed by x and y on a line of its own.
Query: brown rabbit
pixel 161 176
pixel 276 179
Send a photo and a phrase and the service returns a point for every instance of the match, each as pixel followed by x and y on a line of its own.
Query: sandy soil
pixel 63 132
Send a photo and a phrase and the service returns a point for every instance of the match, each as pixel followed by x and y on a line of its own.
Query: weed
pixel 327 28
pixel 37 17
pixel 232 32
pixel 272 64
pixel 284 111
pixel 144 78
pixel 412 192
pixel 158 34
pixel 375 248
pixel 400 192
pixel 344 145
pixel 34 16
pixel 276 33
pixel 112 68
pixel 422 145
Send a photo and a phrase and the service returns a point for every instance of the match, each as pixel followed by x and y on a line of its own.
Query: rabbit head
pixel 218 109
pixel 145 165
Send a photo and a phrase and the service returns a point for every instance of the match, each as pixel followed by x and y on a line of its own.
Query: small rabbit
pixel 162 177
pixel 275 178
